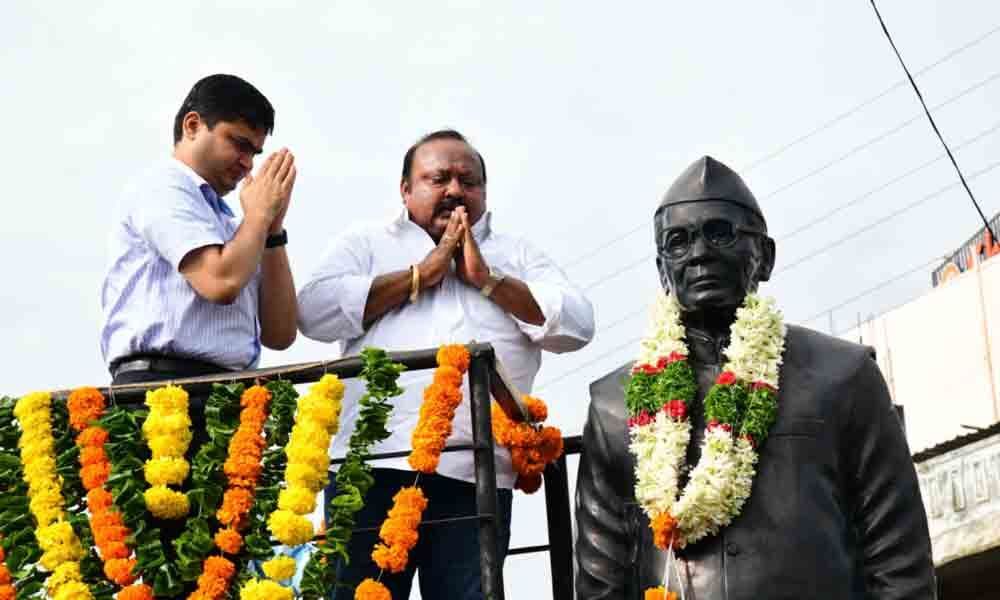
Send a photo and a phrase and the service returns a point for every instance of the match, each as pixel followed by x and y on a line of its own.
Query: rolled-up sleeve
pixel 332 302
pixel 569 315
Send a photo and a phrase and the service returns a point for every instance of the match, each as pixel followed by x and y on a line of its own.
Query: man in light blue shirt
pixel 189 288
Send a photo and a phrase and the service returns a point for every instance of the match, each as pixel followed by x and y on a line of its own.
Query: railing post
pixel 486 479
pixel 557 511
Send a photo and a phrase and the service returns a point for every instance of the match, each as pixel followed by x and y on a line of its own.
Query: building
pixel 940 355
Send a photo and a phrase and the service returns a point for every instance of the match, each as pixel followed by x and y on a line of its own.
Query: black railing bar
pixel 345 368
pixel 402 453
pixel 445 521
pixel 528 550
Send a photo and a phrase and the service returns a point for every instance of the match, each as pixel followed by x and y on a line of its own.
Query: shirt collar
pixel 481 229
pixel 217 203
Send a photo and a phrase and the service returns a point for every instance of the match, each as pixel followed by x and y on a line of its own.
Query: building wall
pixel 940 355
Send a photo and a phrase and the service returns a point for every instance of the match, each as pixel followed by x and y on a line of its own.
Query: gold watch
pixel 494 279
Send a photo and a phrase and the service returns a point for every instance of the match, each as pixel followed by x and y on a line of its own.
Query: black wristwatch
pixel 278 239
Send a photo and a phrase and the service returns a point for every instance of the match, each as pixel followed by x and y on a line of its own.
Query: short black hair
pixel 441 134
pixel 223 97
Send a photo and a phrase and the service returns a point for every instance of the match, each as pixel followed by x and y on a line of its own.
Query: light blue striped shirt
pixel 149 307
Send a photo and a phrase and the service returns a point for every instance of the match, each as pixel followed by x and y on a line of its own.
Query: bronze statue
pixel 834 509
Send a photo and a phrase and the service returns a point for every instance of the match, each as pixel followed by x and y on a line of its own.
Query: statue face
pixel 711 253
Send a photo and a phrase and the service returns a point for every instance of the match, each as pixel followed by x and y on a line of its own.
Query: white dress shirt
pixel 332 305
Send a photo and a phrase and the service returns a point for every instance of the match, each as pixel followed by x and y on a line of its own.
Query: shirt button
pixel 732 549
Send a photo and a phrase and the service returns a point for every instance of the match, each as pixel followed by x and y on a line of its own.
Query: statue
pixel 740 458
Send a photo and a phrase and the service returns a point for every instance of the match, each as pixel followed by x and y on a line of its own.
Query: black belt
pixel 163 364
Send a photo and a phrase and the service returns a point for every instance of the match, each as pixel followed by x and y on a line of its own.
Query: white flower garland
pixel 721 482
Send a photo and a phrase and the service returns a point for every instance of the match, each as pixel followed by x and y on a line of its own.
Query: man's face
pixel 445 174
pixel 224 154
pixel 708 256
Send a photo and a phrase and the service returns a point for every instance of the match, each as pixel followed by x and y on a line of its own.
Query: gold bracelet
pixel 414 282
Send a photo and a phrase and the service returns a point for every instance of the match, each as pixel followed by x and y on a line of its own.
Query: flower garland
pixel 167 431
pixel 354 477
pixel 531 446
pixel 441 398
pixel 316 420
pixel 86 406
pixel 62 551
pixel 740 409
pixel 399 531
pixel 659 593
pixel 242 469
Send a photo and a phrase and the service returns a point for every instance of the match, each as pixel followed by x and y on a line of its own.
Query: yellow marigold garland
pixel 441 398
pixel 242 468
pixel 61 549
pixel 87 405
pixel 531 445
pixel 316 420
pixel 167 431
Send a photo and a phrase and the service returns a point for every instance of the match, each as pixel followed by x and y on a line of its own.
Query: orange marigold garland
pixel 87 405
pixel 399 531
pixel 531 445
pixel 243 468
pixel 441 398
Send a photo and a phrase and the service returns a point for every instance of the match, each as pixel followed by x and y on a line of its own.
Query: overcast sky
pixel 585 113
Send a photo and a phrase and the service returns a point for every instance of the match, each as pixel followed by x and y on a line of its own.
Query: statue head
pixel 712 247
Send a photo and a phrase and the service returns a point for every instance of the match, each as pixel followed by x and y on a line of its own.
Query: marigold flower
pixel 289 528
pixel 229 541
pixel 95 476
pixel 7 592
pixel 262 589
pixel 74 590
pixel 665 531
pixel 369 589
pixel 85 405
pixel 92 436
pixel 166 470
pixel 659 593
pixel 165 503
pixel 113 550
pixel 279 568
pixel 454 355
pixel 298 500
pixel 99 499
pixel 137 591
pixel 120 570
pixel 535 407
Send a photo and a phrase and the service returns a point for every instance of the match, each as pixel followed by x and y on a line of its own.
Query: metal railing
pixel 486 379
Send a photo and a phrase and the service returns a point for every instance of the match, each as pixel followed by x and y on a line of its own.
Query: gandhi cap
pixel 709 179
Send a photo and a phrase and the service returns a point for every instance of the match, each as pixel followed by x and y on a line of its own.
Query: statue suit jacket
pixel 835 511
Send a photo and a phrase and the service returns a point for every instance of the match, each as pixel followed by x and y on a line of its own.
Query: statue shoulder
pixel 607 393
pixel 810 350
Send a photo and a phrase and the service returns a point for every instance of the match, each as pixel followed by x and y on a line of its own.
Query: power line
pixel 802 138
pixel 816 221
pixel 884 219
pixel 931 119
pixel 631 341
pixel 885 283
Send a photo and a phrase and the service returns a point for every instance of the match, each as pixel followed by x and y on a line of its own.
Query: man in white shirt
pixel 439 274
